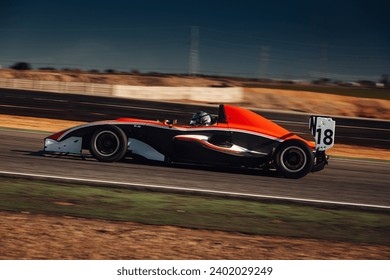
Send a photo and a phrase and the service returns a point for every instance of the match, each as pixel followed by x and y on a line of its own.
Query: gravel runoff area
pixel 33 236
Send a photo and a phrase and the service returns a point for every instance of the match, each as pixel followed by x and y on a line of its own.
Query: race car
pixel 237 137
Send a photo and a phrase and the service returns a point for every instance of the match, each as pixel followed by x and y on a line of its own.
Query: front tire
pixel 293 159
pixel 108 144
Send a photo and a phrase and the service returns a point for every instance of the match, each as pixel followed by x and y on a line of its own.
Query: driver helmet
pixel 201 118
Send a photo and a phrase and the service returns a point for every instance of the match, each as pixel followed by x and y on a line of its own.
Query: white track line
pixel 161 187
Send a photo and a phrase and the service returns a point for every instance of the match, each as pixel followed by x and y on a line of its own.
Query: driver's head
pixel 201 118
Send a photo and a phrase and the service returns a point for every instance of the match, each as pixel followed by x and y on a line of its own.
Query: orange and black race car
pixel 237 137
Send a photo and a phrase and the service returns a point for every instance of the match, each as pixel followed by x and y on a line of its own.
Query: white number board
pixel 323 130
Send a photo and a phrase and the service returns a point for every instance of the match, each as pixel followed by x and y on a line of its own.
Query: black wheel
pixel 293 159
pixel 108 143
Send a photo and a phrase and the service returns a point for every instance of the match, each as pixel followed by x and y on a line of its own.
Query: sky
pixel 343 40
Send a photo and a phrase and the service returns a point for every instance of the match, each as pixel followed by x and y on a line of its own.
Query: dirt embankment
pixel 318 103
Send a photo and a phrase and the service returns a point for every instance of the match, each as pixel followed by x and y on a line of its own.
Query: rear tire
pixel 108 144
pixel 293 159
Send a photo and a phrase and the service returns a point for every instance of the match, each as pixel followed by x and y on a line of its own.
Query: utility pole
pixel 264 59
pixel 194 52
pixel 323 60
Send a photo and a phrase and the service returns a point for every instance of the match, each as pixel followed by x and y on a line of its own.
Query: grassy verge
pixel 236 215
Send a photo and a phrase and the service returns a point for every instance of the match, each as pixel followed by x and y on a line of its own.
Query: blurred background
pixel 343 41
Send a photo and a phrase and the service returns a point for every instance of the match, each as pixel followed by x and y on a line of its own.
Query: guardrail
pixel 205 94
pixel 58 86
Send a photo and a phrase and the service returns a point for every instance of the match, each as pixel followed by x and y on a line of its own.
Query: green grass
pixel 250 217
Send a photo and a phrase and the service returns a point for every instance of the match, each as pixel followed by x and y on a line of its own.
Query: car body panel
pixel 239 137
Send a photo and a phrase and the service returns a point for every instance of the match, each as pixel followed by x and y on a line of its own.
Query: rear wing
pixel 323 129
